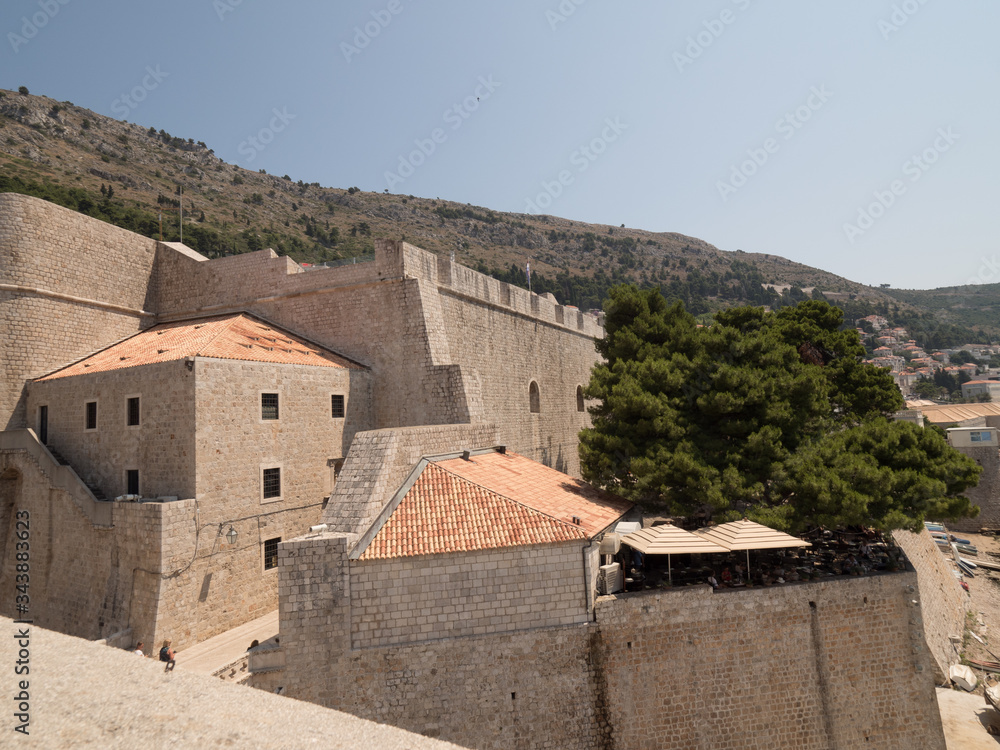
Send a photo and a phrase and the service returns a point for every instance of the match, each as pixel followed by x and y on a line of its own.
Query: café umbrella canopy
pixel 747 535
pixel 667 539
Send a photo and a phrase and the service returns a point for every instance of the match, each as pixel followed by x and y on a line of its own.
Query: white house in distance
pixel 974 388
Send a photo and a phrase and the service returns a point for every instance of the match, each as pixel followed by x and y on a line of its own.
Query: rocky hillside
pixel 130 174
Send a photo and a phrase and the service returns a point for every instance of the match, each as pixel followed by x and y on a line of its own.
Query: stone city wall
pixel 69 285
pixel 404 600
pixel 833 664
pixel 432 332
pixel 942 600
pixel 85 579
pixel 986 494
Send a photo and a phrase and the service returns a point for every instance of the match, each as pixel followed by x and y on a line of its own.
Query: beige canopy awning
pixel 668 540
pixel 747 535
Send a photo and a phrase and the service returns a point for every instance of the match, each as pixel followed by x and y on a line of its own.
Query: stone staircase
pixel 95 491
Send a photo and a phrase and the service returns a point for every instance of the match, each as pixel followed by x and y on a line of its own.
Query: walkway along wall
pixel 826 665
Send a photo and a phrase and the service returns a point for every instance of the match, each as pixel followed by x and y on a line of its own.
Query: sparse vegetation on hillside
pixel 64 153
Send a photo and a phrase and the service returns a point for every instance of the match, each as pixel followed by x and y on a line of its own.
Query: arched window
pixel 533 398
pixel 579 398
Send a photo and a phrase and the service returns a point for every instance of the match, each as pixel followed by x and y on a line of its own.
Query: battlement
pixel 188 287
pixel 461 281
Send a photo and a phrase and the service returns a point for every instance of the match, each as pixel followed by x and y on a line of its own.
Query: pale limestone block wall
pixel 161 447
pixel 942 601
pixel 70 559
pixel 557 359
pixel 404 600
pixel 82 577
pixel 69 285
pixel 445 344
pixel 233 443
pixel 986 494
pixel 815 665
pixel 527 689
pixel 839 663
pixel 380 460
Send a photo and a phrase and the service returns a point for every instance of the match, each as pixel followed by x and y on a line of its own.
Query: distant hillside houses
pixel 975 388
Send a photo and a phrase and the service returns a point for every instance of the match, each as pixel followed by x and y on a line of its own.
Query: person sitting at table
pixel 727 577
pixel 713 581
pixel 738 575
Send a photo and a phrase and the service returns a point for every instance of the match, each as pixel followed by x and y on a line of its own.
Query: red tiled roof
pixel 237 336
pixel 537 486
pixel 443 512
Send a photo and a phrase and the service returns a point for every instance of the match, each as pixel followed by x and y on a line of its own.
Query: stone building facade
pixel 840 663
pixel 441 359
pixel 434 343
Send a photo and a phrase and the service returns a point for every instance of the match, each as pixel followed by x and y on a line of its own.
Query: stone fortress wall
pixel 986 494
pixel 833 664
pixel 442 344
pixel 445 344
pixel 69 285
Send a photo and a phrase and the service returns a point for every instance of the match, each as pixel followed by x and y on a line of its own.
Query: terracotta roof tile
pixel 239 336
pixel 537 486
pixel 444 513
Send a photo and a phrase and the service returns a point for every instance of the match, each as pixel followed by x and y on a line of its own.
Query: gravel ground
pixel 985 592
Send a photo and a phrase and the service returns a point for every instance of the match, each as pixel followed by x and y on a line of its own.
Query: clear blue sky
pixel 781 127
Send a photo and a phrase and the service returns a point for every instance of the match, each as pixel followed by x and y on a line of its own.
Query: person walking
pixel 167 655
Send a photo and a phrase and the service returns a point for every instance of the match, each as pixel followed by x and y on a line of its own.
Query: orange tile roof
pixel 539 487
pixel 443 512
pixel 239 336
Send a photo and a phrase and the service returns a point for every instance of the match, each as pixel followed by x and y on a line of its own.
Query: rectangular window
pixel 269 406
pixel 271 553
pixel 337 403
pixel 91 415
pixel 133 411
pixel 272 483
pixel 132 482
pixel 979 437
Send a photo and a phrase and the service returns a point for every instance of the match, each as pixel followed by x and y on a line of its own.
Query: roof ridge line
pixel 509 499
pixel 224 329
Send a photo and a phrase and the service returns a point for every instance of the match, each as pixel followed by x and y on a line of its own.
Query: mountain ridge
pixel 129 174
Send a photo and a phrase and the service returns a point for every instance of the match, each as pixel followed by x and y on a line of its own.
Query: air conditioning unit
pixel 610 544
pixel 610 579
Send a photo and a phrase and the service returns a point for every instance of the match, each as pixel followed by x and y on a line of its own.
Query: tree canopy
pixel 773 415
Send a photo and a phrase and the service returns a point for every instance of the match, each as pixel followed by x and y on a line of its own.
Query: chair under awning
pixel 667 539
pixel 747 535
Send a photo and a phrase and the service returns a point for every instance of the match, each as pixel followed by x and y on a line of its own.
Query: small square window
pixel 269 406
pixel 272 483
pixel 91 415
pixel 271 553
pixel 132 482
pixel 337 404
pixel 133 411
